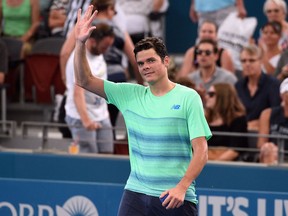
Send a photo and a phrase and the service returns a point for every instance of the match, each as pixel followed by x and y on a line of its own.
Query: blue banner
pixel 58 198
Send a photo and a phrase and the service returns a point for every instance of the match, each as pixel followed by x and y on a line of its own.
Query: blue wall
pixel 181 32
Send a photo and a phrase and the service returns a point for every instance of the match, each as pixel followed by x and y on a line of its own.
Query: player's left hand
pixel 175 198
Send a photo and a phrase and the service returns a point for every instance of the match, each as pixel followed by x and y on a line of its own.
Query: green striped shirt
pixel 160 130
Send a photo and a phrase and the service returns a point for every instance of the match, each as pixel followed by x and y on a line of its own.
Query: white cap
pixel 284 86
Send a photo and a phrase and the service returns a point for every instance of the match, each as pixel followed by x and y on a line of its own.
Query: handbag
pixel 235 33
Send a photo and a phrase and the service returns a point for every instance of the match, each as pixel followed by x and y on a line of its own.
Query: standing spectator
pixel 114 56
pixel 256 89
pixel 20 20
pixel 276 10
pixel 137 17
pixel 273 121
pixel 201 10
pixel 57 17
pixel 72 14
pixel 207 30
pixel 208 73
pixel 269 43
pixel 159 139
pixel 86 113
pixel 157 18
pixel 225 113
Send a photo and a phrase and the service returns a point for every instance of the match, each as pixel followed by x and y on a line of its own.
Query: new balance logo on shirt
pixel 175 107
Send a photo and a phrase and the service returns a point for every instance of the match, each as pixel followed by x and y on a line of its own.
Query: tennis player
pixel 166 127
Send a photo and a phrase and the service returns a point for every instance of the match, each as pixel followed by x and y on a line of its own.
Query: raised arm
pixel 83 75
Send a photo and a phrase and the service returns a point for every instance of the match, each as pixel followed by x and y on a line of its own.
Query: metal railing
pixel 45 127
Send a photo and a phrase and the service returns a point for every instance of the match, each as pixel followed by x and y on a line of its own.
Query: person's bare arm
pixel 192 13
pixel 241 8
pixel 264 122
pixel 65 53
pixel 157 4
pixel 228 155
pixel 187 64
pixel 35 20
pixel 200 156
pixel 227 62
pixel 128 49
pixel 83 75
pixel 80 103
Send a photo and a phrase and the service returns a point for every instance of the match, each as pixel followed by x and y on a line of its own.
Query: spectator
pixel 208 73
pixel 137 17
pixel 276 10
pixel 201 10
pixel 273 121
pixel 207 30
pixel 157 18
pixel 225 113
pixel 57 17
pixel 72 14
pixel 86 113
pixel 256 89
pixel 114 56
pixel 271 34
pixel 21 19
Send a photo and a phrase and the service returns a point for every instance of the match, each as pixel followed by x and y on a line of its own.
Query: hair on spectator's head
pixel 209 41
pixel 280 3
pixel 253 49
pixel 209 22
pixel 276 26
pixel 152 43
pixel 102 30
pixel 102 5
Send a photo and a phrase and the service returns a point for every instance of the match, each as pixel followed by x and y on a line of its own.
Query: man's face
pixel 150 65
pixel 251 64
pixel 97 48
pixel 206 57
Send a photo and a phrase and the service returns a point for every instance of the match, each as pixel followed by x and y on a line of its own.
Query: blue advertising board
pixel 52 198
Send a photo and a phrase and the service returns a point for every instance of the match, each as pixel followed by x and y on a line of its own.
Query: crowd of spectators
pixel 233 103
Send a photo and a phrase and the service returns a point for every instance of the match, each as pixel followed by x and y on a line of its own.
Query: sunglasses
pixel 211 94
pixel 272 10
pixel 206 52
pixel 248 60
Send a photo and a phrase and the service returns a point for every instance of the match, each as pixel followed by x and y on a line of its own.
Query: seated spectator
pixel 208 73
pixel 21 18
pixel 57 17
pixel 225 113
pixel 273 121
pixel 256 89
pixel 87 113
pixel 268 42
pixel 276 10
pixel 208 30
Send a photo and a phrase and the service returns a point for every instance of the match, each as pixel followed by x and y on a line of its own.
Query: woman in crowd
pixel 270 37
pixel 225 113
pixel 276 10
